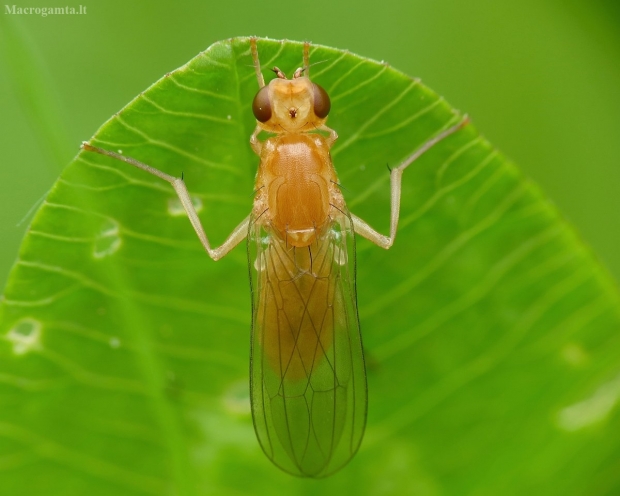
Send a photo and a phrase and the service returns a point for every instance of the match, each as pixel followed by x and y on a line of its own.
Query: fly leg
pixel 259 74
pixel 333 135
pixel 363 228
pixel 306 66
pixel 238 234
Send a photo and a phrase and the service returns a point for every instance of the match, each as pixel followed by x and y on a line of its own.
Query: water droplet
pixel 120 151
pixel 115 342
pixel 108 240
pixel 229 117
pixel 592 410
pixel 175 207
pixel 25 336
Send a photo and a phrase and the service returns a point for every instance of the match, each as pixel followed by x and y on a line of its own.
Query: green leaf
pixel 490 331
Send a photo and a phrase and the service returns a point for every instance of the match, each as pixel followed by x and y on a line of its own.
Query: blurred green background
pixel 539 78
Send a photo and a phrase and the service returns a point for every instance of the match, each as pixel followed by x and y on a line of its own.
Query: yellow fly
pixel 308 380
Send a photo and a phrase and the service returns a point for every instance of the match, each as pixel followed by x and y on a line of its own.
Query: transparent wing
pixel 308 381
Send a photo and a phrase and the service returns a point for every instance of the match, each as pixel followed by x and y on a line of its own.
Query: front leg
pixel 333 135
pixel 363 228
pixel 255 143
pixel 238 234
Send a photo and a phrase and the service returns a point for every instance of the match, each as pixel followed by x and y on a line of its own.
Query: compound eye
pixel 261 106
pixel 321 102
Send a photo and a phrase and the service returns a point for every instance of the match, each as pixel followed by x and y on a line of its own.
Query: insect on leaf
pixel 489 329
